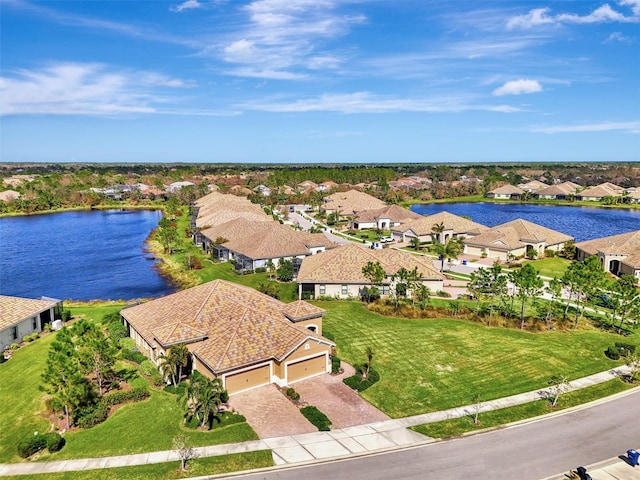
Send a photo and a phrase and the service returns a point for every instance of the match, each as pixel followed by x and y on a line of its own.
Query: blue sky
pixel 310 81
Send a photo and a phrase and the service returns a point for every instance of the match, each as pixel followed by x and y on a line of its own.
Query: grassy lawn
pixel 164 471
pixel 551 267
pixel 138 427
pixel 435 364
pixel 458 426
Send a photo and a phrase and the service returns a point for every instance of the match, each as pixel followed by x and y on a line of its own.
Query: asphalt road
pixel 530 451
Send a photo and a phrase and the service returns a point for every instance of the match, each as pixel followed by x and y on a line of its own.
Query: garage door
pixel 306 368
pixel 249 379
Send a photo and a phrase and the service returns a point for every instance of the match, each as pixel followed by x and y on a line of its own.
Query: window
pixel 322 289
pixel 345 290
pixel 385 290
pixel 14 333
pixel 34 323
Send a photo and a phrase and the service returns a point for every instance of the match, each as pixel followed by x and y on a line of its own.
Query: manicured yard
pixel 137 427
pixel 430 365
pixel 164 471
pixel 458 426
pixel 551 267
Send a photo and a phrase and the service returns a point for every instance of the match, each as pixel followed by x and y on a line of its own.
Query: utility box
pixel 634 457
pixel 56 325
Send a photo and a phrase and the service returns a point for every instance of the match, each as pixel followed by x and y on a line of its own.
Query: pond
pixel 80 256
pixel 583 223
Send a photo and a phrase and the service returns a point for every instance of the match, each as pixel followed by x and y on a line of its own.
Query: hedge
pixel 135 357
pixel 317 418
pixel 51 441
pixel 360 384
pixel 93 415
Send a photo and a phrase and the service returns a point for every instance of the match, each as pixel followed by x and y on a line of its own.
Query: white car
pixel 386 239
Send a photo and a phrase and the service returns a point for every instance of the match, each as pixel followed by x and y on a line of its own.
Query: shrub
pixel 292 394
pixel 360 384
pixel 127 343
pixel 31 337
pixel 613 353
pixel 335 365
pixel 66 315
pixel 625 349
pixel 2 358
pixel 133 395
pixel 443 294
pixel 157 379
pixel 317 418
pixel 32 445
pixel 14 346
pixel 55 442
pixel 135 357
pixel 91 415
pixel 261 270
pixel 175 389
pixel 148 368
pixel 549 253
pixel 117 331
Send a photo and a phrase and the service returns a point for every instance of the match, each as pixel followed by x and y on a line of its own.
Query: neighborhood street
pixel 531 451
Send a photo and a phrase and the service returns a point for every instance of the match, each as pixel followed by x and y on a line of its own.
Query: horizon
pixel 319 82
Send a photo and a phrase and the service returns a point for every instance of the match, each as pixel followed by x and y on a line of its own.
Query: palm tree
pixel 270 268
pixel 168 366
pixel 436 232
pixel 203 397
pixel 369 353
pixel 415 243
pixel 181 355
pixel 449 250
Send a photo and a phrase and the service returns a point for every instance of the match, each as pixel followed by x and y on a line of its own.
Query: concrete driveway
pixel 271 414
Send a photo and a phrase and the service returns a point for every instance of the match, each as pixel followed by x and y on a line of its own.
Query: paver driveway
pixel 344 406
pixel 272 414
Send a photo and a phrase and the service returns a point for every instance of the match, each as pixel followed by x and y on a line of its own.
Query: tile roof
pixel 217 208
pixel 16 309
pixel 242 326
pixel 235 229
pixel 351 202
pixel 344 264
pixel 9 195
pixel 301 310
pixel 603 190
pixel 566 188
pixel 516 234
pixel 533 185
pixel 275 240
pixel 393 212
pixel 624 243
pixel 507 190
pixel 459 225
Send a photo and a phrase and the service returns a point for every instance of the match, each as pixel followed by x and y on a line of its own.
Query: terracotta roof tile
pixel 351 202
pixel 459 225
pixel 507 190
pixel 393 212
pixel 16 309
pixel 514 234
pixel 624 243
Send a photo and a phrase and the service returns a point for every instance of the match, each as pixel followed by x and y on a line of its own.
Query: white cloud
pixel 627 127
pixel 187 5
pixel 366 102
pixel 617 37
pixel 602 14
pixel 518 87
pixel 286 39
pixel 83 89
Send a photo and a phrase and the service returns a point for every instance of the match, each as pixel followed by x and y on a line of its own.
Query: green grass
pixel 138 427
pixel 458 426
pixel 435 364
pixel 164 471
pixel 551 267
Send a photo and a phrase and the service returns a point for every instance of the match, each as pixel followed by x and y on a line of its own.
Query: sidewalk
pixel 612 469
pixel 309 447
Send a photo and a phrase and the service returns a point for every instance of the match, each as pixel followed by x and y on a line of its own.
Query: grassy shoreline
pixel 483 199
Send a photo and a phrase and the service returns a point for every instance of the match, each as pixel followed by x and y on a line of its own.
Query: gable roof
pixel 623 243
pixel 393 212
pixel 344 264
pixel 351 202
pixel 451 222
pixel 15 309
pixel 236 325
pixel 275 240
pixel 516 234
pixel 507 190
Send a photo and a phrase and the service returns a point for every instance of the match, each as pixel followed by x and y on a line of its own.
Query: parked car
pixel 386 239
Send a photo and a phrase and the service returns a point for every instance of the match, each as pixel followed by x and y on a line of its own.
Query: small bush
pixel 360 384
pixel 335 365
pixel 292 394
pixel 157 379
pixel 317 418
pixel 133 395
pixel 55 442
pixel 613 353
pixel 14 346
pixel 443 294
pixel 32 445
pixel 135 357
pixel 625 349
pixel 66 315
pixel 549 253
pixel 91 415
pixel 148 368
pixel 31 337
pixel 261 270
pixel 175 389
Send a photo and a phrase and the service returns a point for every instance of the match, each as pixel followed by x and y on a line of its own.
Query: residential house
pixel 175 186
pixel 453 226
pixel 532 186
pixel 24 316
pixel 383 218
pixel 505 192
pixel 597 193
pixel 515 239
pixel 234 333
pixel 619 254
pixel 338 272
pixel 350 202
pixel 560 191
pixel 306 186
pixel 633 197
pixel 326 186
pixel 262 190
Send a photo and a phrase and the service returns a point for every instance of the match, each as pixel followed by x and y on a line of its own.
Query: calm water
pixel 583 223
pixel 80 255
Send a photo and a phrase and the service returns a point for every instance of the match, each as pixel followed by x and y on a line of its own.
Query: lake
pixel 582 223
pixel 80 256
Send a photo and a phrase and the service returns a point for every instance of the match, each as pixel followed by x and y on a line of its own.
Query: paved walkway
pixel 612 469
pixel 291 449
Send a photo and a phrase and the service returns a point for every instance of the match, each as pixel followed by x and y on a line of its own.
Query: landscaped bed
pixel 435 364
